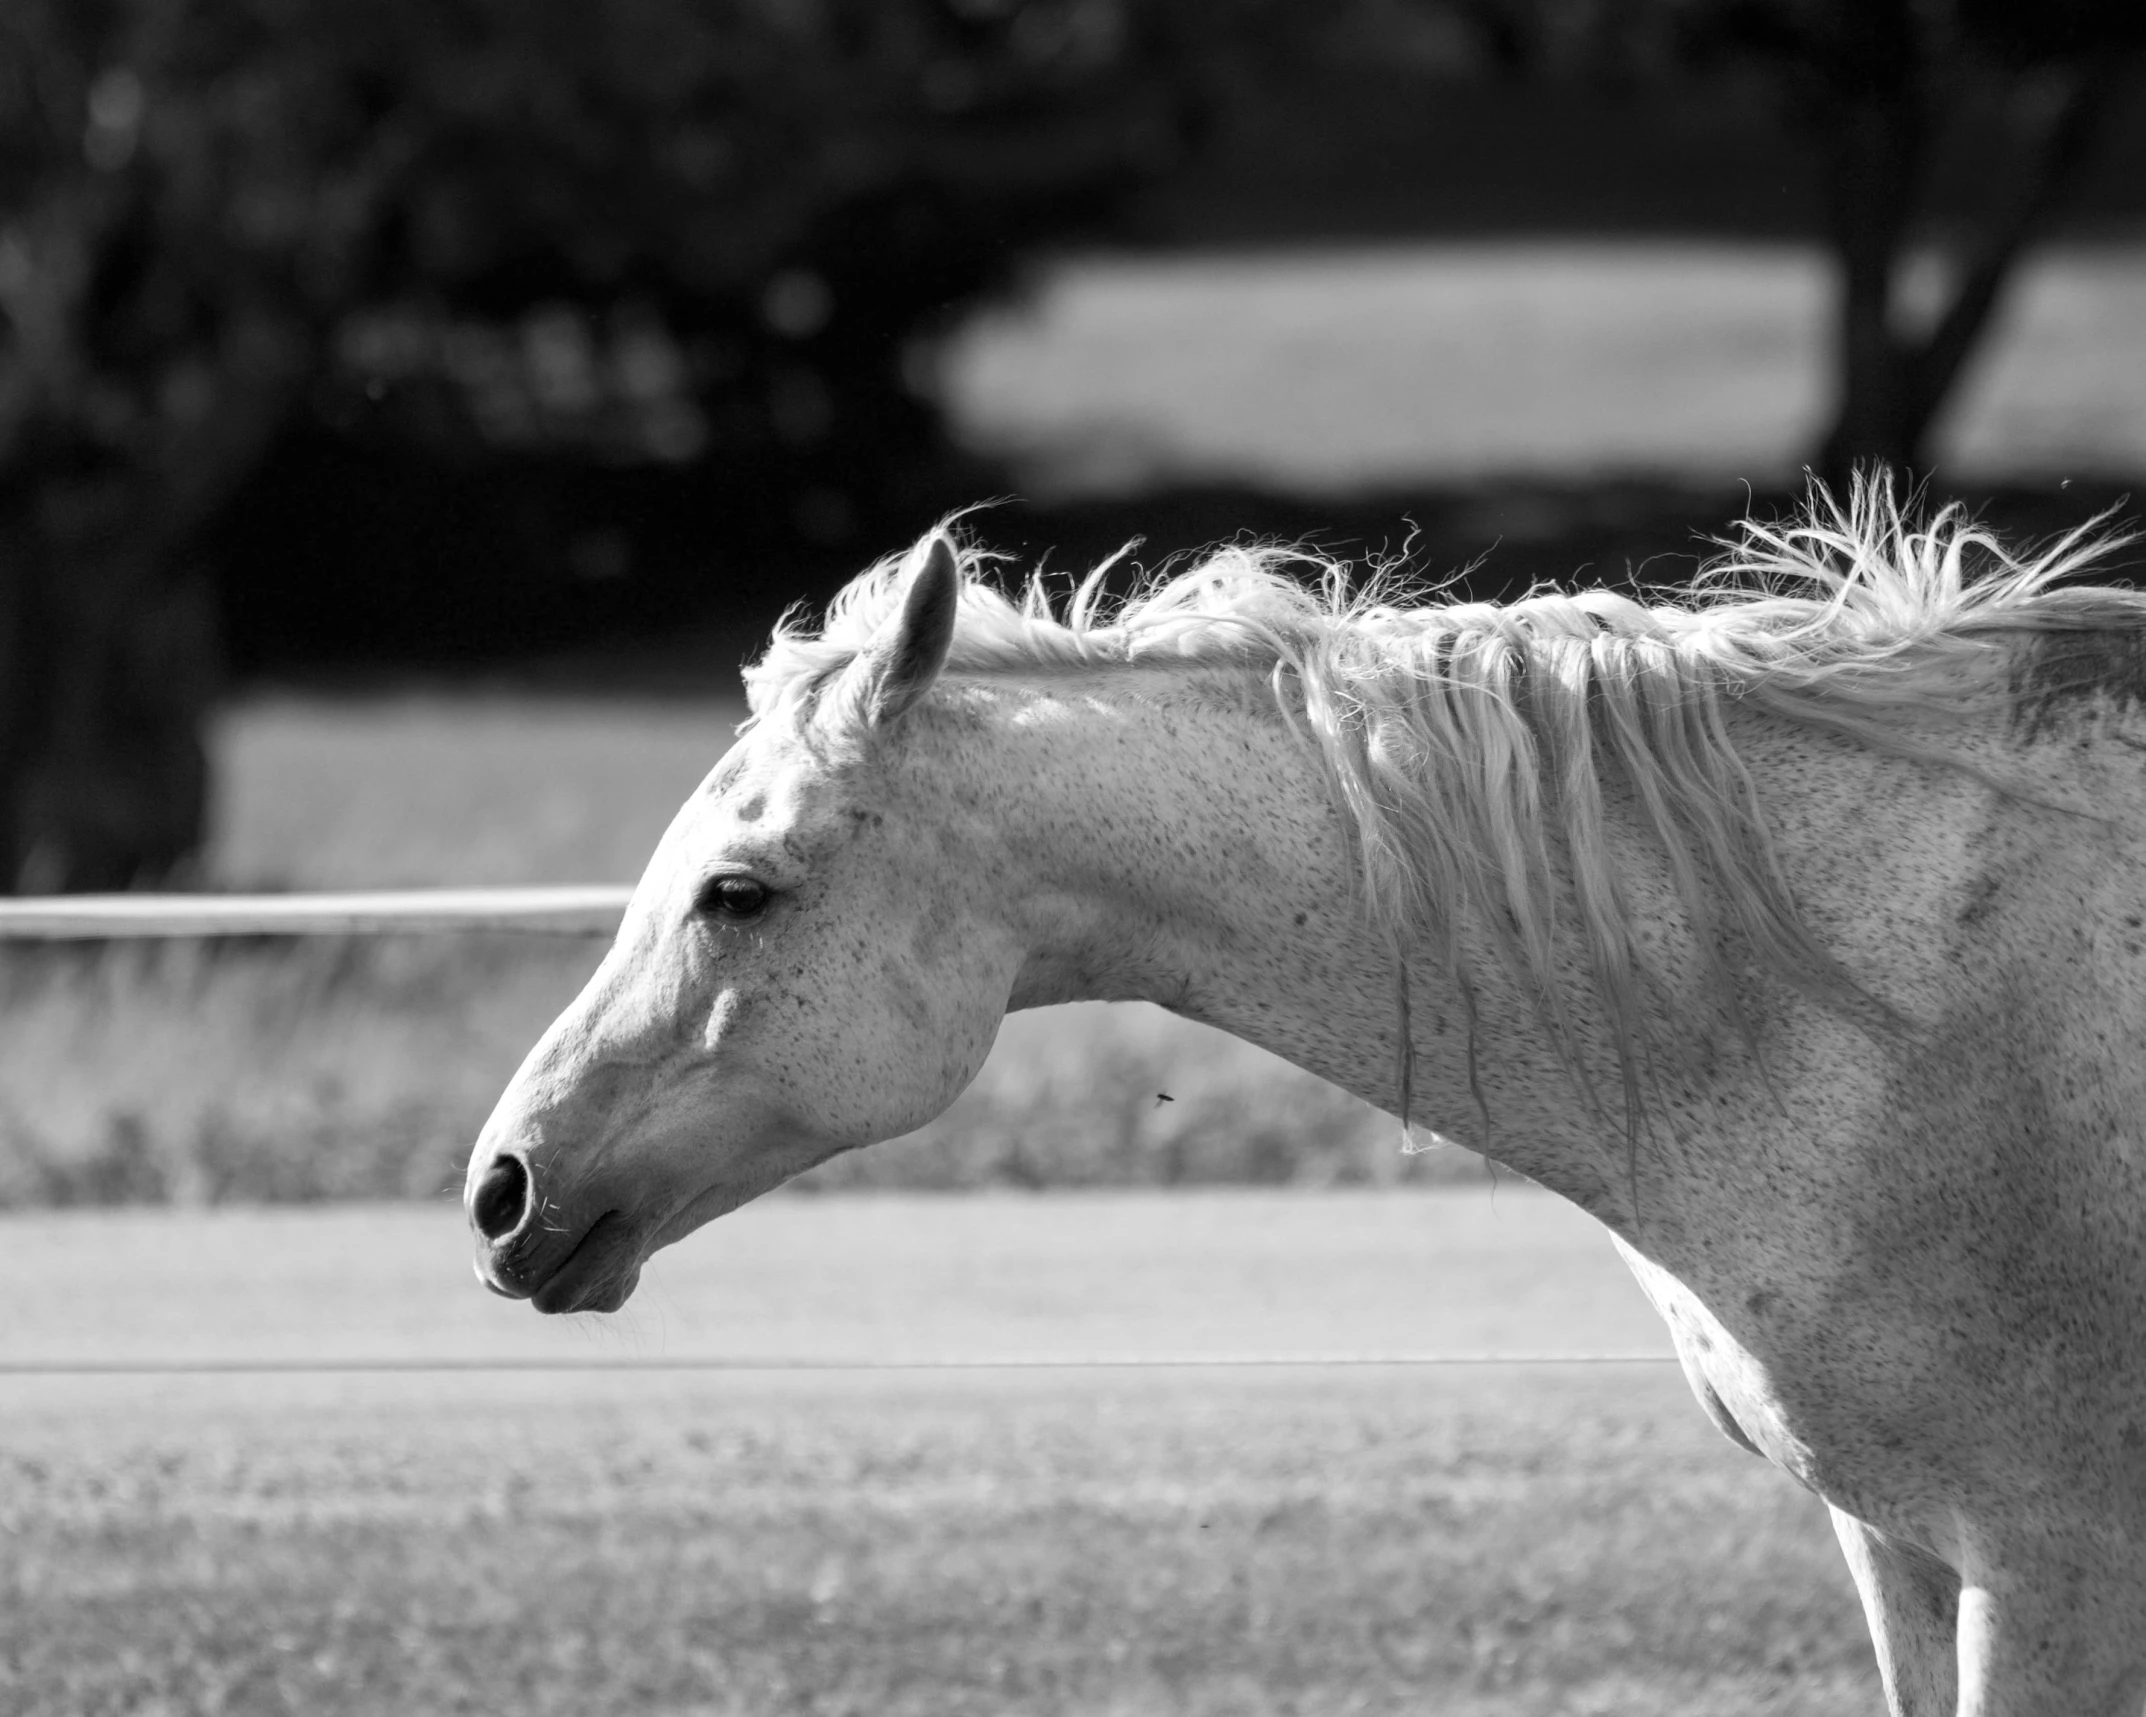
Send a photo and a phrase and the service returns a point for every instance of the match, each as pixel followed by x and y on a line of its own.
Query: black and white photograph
pixel 1072 858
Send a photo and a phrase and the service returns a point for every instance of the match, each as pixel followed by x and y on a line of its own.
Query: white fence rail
pixel 588 911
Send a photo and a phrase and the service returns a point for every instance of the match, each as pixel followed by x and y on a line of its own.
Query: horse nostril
pixel 501 1198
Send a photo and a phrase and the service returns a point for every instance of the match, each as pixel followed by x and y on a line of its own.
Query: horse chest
pixel 1802 1410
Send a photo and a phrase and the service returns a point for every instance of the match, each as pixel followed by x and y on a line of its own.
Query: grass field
pixel 1284 1541
pixel 430 787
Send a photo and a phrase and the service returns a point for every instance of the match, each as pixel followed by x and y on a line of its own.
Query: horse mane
pixel 1467 742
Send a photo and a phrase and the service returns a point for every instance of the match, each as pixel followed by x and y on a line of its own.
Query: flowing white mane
pixel 1467 741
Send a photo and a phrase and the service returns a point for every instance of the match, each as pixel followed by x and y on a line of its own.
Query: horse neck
pixel 1168 838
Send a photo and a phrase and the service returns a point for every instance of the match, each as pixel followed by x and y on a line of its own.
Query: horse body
pixel 1917 1284
pixel 1893 1210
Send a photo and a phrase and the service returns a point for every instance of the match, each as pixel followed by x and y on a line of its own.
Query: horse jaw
pixel 569 1195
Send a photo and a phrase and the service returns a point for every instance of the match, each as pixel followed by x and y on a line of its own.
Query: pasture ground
pixel 1300 1540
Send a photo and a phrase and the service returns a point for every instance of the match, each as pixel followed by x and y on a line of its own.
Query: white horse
pixel 1796 929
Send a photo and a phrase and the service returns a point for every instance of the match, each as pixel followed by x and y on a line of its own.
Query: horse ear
pixel 901 663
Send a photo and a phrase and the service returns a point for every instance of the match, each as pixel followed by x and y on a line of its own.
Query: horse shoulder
pixel 1910 1263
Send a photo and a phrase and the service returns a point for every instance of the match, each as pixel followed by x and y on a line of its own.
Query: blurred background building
pixel 343 335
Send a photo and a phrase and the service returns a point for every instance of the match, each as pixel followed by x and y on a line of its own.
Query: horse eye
pixel 733 897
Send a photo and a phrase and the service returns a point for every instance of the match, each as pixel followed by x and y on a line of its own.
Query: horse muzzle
pixel 557 1266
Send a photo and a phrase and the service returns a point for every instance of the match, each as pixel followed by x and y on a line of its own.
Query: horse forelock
pixel 1466 741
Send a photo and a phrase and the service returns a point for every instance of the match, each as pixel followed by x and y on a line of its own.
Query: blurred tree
pixel 175 210
pixel 1875 86
pixel 648 229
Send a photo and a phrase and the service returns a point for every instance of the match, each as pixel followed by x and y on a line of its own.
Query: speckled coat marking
pixel 1902 1247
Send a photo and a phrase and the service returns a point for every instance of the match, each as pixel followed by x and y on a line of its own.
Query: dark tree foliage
pixel 1877 88
pixel 1873 84
pixel 183 201
pixel 674 230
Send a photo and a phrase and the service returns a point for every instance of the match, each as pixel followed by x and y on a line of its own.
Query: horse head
pixel 798 973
